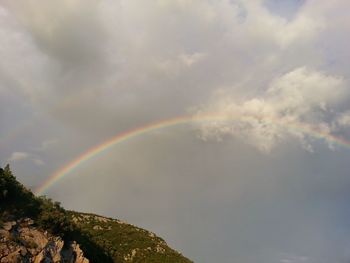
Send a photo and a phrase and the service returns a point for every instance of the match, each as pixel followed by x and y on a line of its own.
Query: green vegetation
pixel 16 202
pixel 125 242
pixel 14 197
pixel 102 239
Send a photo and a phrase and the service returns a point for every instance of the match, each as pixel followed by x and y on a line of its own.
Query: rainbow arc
pixel 129 134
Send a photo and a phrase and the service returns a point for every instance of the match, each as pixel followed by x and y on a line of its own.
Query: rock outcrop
pixel 21 241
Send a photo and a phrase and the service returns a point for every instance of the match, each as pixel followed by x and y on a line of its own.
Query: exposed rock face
pixel 20 241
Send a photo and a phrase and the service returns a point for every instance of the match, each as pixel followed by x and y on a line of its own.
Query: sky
pixel 266 185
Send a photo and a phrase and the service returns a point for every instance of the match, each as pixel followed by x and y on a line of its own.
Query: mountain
pixel 37 229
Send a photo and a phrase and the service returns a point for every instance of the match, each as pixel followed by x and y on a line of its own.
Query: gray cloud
pixel 74 73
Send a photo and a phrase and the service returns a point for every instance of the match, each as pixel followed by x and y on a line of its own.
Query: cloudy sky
pixel 268 185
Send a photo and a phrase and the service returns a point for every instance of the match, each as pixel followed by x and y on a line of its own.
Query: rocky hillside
pixel 36 229
pixel 127 243
pixel 21 241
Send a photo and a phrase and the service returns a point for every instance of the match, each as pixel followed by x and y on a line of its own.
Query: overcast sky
pixel 74 73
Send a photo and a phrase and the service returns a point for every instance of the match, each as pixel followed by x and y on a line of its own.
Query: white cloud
pixel 38 162
pixel 16 156
pixel 293 103
pixel 295 259
pixel 191 59
pixel 46 144
pixel 343 119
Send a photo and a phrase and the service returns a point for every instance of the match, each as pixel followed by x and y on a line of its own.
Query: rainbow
pixel 129 134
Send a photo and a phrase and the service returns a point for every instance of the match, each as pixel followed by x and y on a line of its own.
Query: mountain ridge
pixel 70 236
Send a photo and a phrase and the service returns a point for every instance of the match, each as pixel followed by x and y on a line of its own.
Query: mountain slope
pixel 21 241
pixel 101 239
pixel 127 243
